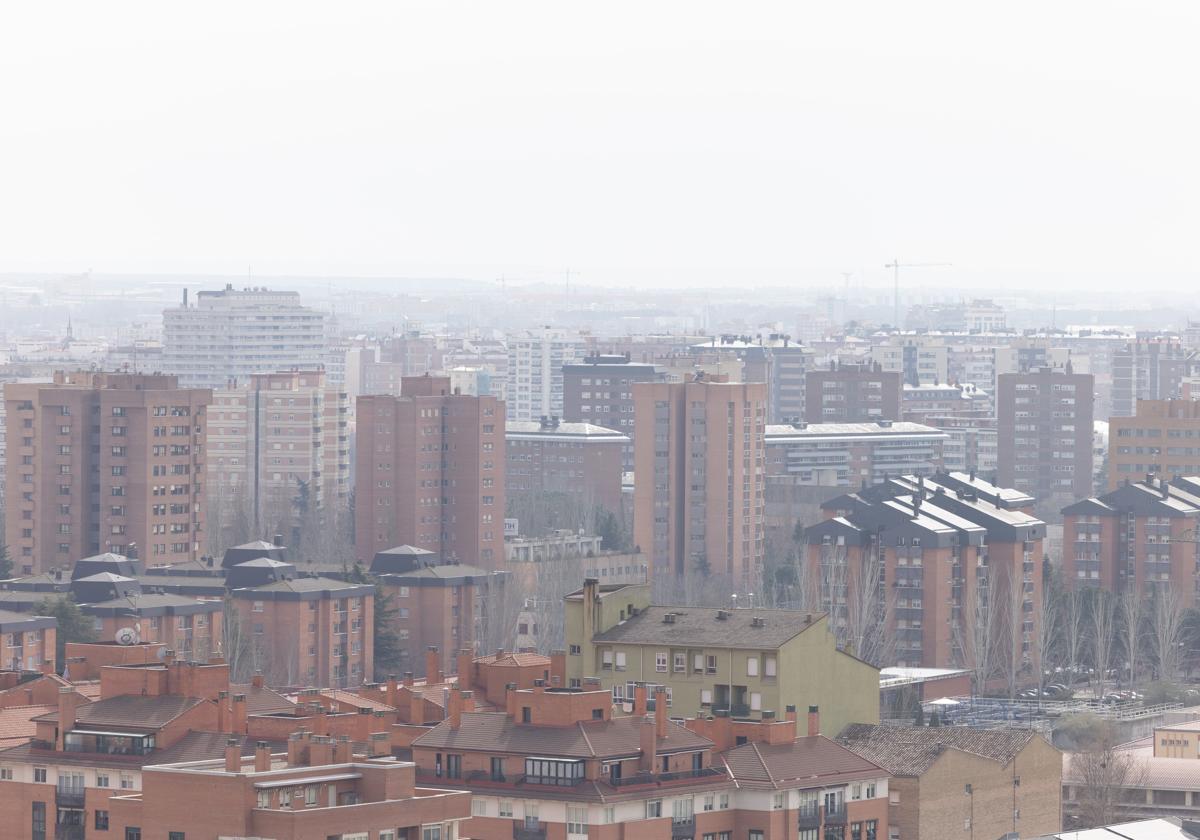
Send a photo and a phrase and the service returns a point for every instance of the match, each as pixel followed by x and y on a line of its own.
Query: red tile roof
pixel 17 725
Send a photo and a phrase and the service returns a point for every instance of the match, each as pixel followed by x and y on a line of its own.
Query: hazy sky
pixel 649 139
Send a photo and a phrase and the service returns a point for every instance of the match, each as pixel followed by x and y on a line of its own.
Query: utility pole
pixel 895 265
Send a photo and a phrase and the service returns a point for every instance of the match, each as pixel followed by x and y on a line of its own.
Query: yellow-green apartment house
pixel 745 661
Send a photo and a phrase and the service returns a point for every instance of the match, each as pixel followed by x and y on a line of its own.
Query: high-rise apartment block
pixel 849 393
pixel 1162 438
pixel 535 372
pixel 233 333
pixel 699 471
pixel 599 390
pixel 1147 369
pixel 104 462
pixel 430 473
pixel 577 459
pixel 1044 432
pixel 276 432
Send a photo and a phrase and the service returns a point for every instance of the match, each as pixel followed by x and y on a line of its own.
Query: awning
pixel 308 780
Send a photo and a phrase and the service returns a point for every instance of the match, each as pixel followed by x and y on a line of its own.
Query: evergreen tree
pixel 73 625
pixel 919 720
pixel 6 563
pixel 389 649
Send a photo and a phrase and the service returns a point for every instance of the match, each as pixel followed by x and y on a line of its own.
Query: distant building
pixel 852 394
pixel 1044 432
pixel 535 372
pixel 970 445
pixel 699 491
pixel 774 359
pixel 1163 438
pixel 919 403
pixel 234 333
pixel 581 460
pixel 845 454
pixel 598 389
pixel 430 473
pixel 27 642
pixel 920 360
pixel 1148 369
pixel 104 462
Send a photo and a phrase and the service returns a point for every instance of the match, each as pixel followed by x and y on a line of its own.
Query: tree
pixel 975 633
pixel 389 649
pixel 1166 631
pixel 919 720
pixel 237 643
pixel 1074 613
pixel 1104 632
pixel 611 530
pixel 1048 630
pixel 1101 771
pixel 860 608
pixel 1132 615
pixel 73 625
pixel 1016 657
pixel 6 563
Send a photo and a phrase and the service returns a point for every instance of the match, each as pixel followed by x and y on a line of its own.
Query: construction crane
pixel 895 265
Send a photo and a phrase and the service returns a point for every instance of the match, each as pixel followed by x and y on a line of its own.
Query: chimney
pixel 257 679
pixel 660 711
pixel 278 541
pixel 814 721
pixel 320 751
pixel 391 690
pixel 68 702
pixel 262 757
pixel 342 751
pixel 408 678
pixel 433 673
pixel 233 756
pixel 649 743
pixel 223 716
pixel 790 713
pixel 362 724
pixel 297 741
pixel 468 701
pixel 465 663
pixel 416 707
pixel 379 744
pixel 558 668
pixel 454 713
pixel 238 717
pixel 639 700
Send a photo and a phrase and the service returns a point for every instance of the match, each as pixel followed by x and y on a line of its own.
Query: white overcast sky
pixel 652 139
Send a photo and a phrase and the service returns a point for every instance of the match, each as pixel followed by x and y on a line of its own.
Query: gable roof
pixel 812 761
pixel 514 660
pixel 19 723
pixel 701 627
pixel 130 710
pixel 912 750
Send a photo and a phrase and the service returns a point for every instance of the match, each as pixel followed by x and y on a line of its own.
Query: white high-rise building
pixel 535 376
pixel 234 333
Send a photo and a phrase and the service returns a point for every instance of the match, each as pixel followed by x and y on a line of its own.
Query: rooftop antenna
pixel 895 265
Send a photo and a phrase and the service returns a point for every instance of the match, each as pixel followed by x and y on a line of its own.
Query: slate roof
pixel 194 746
pixel 812 761
pixel 912 750
pixel 700 627
pixel 496 732
pixel 306 584
pixel 130 710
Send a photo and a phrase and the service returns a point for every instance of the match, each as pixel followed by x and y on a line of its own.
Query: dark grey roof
pixel 131 710
pixel 193 746
pixel 303 589
pixel 701 627
pixel 152 604
pixel 911 750
pixel 15 621
pixel 435 575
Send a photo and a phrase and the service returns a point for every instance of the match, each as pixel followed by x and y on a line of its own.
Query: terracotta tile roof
pixel 496 732
pixel 517 660
pixel 17 724
pixel 261 700
pixel 357 701
pixel 911 750
pixel 811 761
pixel 130 710
pixel 89 689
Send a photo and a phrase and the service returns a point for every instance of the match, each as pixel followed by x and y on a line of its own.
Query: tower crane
pixel 895 265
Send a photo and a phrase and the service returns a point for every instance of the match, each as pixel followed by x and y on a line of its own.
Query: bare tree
pixel 862 610
pixel 1104 634
pixel 1166 627
pixel 1074 631
pixel 974 633
pixel 1048 633
pixel 1132 616
pixel 1102 772
pixel 1015 655
pixel 496 614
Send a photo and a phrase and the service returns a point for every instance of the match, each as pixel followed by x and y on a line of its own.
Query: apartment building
pixel 276 433
pixel 844 454
pixel 104 462
pixel 699 493
pixel 1044 432
pixel 949 551
pixel 430 472
pixel 1136 538
pixel 580 460
pixel 1148 368
pixel 535 372
pixel 852 393
pixel 970 444
pixel 960 781
pixel 1163 437
pixel 744 661
pixel 235 333
pixel 27 642
pixel 919 403
pixel 598 389
pixel 774 358
pixel 920 360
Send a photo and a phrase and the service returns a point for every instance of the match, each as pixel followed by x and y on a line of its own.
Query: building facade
pixel 535 372
pixel 1163 437
pixel 852 394
pixel 579 459
pixel 845 454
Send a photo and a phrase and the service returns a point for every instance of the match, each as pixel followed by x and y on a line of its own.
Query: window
pixel 777 802
pixel 6 774
pixel 769 666
pixel 577 820
pixel 133 833
pixel 526 714
pixel 257 607
pixel 755 834
pixel 620 660
pixel 653 808
pixel 506 808
pixel 610 814
pixel 478 807
pixel 682 810
pixel 264 799
pixel 660 661
pixel 723 802
pixel 101 821
pixel 39 821
pixel 175 835
pixel 431 832
pixel 39 774
pixel 680 664
pixel 711 666
pixel 755 701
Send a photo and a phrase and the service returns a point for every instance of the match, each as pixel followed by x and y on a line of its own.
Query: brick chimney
pixel 466 662
pixel 390 691
pixel 468 701
pixel 408 678
pixel 257 679
pixel 814 721
pixel 433 668
pixel 342 751
pixel 639 700
pixel 238 716
pixel 510 700
pixel 224 722
pixel 648 739
pixel 416 707
pixel 660 711
pixel 454 712
pixel 539 686
pixel 262 757
pixel 379 744
pixel 558 668
pixel 68 703
pixel 362 725
pixel 233 756
pixel 320 751
pixel 297 743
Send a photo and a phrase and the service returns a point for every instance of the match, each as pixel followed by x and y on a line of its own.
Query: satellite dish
pixel 126 636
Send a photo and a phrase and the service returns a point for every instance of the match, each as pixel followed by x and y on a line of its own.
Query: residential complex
pixel 430 473
pixel 1163 437
pixel 580 460
pixel 233 333
pixel 699 458
pixel 850 393
pixel 598 389
pixel 104 462
pixel 535 372
pixel 844 454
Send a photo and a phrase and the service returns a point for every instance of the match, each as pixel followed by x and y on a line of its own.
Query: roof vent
pixel 722 615
pixel 758 621
pixel 669 618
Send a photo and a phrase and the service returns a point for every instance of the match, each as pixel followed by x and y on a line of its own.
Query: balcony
pixel 524 832
pixel 809 816
pixel 683 829
pixel 665 778
pixel 69 797
pixel 69 832
pixel 836 815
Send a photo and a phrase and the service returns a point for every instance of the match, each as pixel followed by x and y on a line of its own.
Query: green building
pixel 745 661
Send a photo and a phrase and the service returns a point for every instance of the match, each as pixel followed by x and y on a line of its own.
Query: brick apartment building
pixel 430 473
pixel 27 642
pixel 579 459
pixel 599 390
pixel 275 431
pixel 104 462
pixel 842 454
pixel 1163 437
pixel 1044 432
pixel 937 546
pixel 850 393
pixel 699 493
pixel 1136 538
